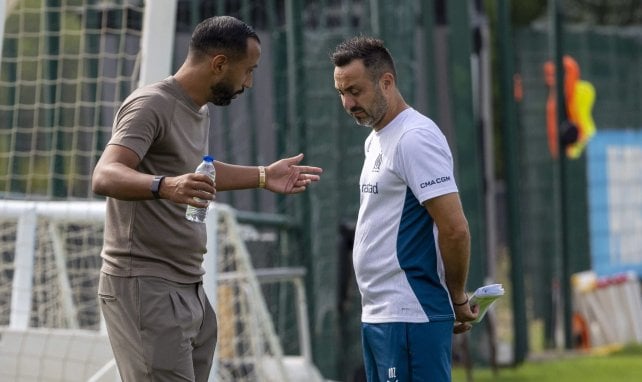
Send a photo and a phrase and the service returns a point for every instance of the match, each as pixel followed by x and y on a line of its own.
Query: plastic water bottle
pixel 196 214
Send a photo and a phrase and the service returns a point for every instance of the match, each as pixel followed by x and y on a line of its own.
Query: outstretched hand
pixel 285 176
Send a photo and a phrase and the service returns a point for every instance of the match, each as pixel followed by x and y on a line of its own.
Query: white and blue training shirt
pixel 396 258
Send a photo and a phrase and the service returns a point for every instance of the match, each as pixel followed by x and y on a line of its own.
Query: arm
pixel 454 245
pixel 116 176
pixel 284 176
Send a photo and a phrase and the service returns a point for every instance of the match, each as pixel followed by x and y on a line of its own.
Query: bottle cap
pixel 208 158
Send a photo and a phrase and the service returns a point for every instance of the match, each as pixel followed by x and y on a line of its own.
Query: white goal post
pixel 49 266
pixel 157 45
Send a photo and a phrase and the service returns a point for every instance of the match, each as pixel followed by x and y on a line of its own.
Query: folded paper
pixel 485 296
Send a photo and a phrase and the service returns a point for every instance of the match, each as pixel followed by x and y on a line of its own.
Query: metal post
pixel 157 42
pixel 23 269
pixel 210 264
pixel 51 66
pixel 4 11
pixel 428 19
pixel 466 148
pixel 511 153
pixel 565 278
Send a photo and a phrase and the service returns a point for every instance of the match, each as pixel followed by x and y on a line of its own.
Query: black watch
pixel 156 186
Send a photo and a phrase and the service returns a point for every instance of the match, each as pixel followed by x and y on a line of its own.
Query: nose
pixel 248 81
pixel 348 102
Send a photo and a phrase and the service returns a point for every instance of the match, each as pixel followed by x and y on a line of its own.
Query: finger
pixel 461 327
pixel 308 177
pixel 310 169
pixel 204 195
pixel 197 202
pixel 203 178
pixel 303 181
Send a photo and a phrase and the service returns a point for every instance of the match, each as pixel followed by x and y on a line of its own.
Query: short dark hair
pixel 376 57
pixel 221 33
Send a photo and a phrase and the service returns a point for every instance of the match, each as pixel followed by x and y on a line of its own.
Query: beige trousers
pixel 159 330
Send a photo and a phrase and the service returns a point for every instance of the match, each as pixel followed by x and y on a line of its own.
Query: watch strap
pixel 156 183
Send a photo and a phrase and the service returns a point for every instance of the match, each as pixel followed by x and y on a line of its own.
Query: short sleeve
pixel 136 126
pixel 423 159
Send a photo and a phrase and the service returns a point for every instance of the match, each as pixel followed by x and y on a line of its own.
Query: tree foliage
pixel 603 12
pixel 594 12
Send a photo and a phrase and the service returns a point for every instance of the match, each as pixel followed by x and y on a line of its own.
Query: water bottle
pixel 196 214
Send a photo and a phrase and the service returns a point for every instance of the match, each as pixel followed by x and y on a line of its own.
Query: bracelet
pixel 261 177
pixel 463 303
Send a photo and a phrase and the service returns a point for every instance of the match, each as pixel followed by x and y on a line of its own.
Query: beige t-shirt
pixel 152 237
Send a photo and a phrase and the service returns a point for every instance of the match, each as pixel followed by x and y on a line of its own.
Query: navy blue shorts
pixel 407 352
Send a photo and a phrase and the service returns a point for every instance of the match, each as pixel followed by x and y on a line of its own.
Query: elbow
pixel 457 232
pixel 98 184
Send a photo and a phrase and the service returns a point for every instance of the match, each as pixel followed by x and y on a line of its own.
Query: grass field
pixel 624 365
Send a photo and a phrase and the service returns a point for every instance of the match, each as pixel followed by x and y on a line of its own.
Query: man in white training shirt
pixel 412 245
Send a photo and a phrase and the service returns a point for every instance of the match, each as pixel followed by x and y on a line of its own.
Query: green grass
pixel 621 366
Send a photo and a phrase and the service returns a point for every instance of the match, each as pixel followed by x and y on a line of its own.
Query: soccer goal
pixel 50 318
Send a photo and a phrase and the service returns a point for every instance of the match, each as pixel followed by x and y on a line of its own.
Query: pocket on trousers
pixel 106 297
pixel 105 291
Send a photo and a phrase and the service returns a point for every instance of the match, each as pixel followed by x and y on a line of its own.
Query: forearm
pixel 455 252
pixel 454 241
pixel 121 182
pixel 235 177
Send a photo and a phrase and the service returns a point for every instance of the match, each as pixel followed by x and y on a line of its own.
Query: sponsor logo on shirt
pixel 377 164
pixel 370 188
pixel 432 182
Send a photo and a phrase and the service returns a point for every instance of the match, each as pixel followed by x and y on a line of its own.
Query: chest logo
pixel 377 163
pixel 370 188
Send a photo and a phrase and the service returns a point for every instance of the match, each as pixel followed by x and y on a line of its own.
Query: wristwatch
pixel 156 186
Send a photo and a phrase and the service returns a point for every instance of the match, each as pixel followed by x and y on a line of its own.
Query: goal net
pixel 49 272
pixel 65 67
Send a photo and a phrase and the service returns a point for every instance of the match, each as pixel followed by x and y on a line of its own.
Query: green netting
pixel 293 107
pixel 610 60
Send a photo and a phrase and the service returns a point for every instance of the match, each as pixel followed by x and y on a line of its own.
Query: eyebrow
pixel 351 87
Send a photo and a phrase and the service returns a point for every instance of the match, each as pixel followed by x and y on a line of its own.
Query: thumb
pixel 295 159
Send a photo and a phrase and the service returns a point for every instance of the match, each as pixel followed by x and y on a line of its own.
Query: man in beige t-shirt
pixel 160 325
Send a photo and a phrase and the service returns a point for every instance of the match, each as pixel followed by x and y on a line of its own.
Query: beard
pixel 223 93
pixel 375 113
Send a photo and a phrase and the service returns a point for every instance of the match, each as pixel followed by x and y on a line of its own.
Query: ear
pixel 387 80
pixel 218 63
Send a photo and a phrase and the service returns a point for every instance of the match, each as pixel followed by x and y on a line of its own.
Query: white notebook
pixel 485 296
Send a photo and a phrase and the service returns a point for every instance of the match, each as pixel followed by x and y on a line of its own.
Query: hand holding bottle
pixel 198 213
